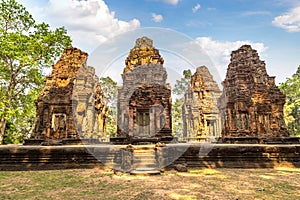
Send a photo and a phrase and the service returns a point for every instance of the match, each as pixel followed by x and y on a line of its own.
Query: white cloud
pixel 196 8
pixel 172 2
pixel 219 52
pixel 289 21
pixel 157 18
pixel 257 12
pixel 89 22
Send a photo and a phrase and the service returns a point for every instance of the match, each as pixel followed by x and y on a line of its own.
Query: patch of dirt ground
pixel 280 183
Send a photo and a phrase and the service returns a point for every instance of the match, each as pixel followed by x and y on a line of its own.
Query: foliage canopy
pixel 291 88
pixel 110 90
pixel 179 90
pixel 26 48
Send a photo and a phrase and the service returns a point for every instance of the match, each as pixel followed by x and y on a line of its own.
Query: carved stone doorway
pixel 148 114
pixel 58 126
pixel 212 127
pixel 143 122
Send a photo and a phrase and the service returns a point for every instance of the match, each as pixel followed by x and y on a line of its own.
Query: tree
pixel 179 90
pixel 110 90
pixel 177 125
pixel 182 85
pixel 291 88
pixel 26 48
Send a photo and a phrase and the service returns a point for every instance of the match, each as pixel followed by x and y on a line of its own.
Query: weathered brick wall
pixel 200 112
pixel 71 105
pixel 251 104
pixel 144 99
pixel 15 157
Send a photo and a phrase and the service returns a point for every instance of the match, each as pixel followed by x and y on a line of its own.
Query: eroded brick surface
pixel 251 104
pixel 72 104
pixel 144 100
pixel 200 111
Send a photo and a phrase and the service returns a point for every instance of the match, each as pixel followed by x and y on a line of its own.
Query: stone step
pixel 144 161
pixel 148 154
pixel 144 165
pixel 145 171
pixel 144 156
pixel 144 147
pixel 140 151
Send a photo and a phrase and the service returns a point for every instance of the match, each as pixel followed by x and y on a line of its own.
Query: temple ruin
pixel 251 104
pixel 144 100
pixel 71 106
pixel 200 112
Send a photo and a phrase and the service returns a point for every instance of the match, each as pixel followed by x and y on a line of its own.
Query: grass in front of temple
pixel 280 183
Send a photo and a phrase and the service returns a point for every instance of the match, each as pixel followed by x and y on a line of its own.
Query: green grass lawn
pixel 281 183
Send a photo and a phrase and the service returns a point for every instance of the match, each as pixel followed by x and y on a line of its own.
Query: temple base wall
pixel 197 155
pixel 259 140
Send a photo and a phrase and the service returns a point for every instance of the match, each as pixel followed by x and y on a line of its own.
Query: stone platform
pixel 259 140
pixel 64 141
pixel 119 157
pixel 143 140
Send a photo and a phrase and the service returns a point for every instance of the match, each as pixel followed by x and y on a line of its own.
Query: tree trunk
pixel 2 129
pixel 6 108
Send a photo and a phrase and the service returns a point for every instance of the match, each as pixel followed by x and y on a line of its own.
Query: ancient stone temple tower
pixel 200 111
pixel 251 104
pixel 144 100
pixel 71 105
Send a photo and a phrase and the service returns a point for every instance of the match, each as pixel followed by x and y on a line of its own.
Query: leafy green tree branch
pixel 26 49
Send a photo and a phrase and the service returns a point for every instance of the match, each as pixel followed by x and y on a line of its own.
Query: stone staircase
pixel 144 161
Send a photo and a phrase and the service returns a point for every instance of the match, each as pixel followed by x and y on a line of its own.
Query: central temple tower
pixel 144 100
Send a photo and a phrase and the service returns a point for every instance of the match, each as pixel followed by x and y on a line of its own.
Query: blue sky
pixel 218 26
